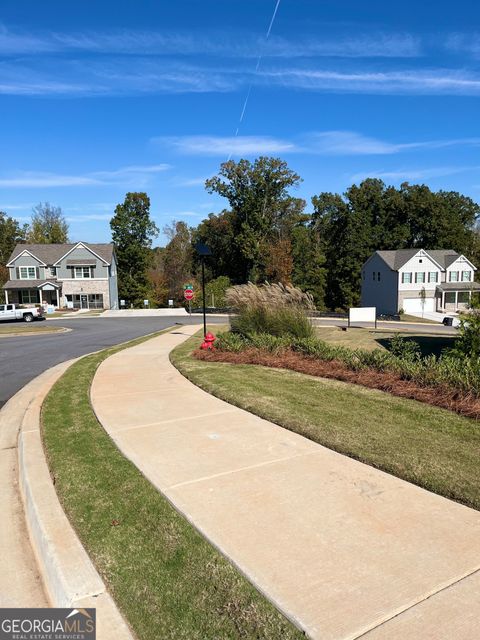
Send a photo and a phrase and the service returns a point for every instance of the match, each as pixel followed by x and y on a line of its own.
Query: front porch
pixel 32 292
pixel 455 296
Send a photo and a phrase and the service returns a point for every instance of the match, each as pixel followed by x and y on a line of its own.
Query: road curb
pixel 69 577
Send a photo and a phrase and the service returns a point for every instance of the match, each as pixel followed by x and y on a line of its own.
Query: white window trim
pixel 404 280
pixel 82 277
pixel 418 273
pixel 28 277
pixel 469 276
pixel 450 273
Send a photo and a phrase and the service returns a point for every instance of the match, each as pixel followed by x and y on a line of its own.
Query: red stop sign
pixel 188 294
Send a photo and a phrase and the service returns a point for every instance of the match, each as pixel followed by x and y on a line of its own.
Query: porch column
pixel 6 296
pixel 456 300
pixel 443 300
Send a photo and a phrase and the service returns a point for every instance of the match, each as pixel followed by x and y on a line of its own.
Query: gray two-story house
pixel 79 276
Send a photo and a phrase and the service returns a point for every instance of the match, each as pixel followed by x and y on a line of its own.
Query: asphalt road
pixel 24 358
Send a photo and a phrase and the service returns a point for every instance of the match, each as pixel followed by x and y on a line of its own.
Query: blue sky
pixel 100 97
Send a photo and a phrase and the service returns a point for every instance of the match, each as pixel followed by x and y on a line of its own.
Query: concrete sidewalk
pixel 346 551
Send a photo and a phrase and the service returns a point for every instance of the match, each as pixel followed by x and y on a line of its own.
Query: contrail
pixel 257 66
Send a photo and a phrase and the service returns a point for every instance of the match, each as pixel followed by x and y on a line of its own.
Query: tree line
pixel 264 233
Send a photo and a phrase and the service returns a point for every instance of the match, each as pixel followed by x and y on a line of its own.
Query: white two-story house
pixel 79 276
pixel 416 280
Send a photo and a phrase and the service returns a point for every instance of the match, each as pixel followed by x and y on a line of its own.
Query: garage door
pixel 414 305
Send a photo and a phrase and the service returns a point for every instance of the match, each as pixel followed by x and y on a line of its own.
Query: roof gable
pixel 49 254
pixel 22 253
pixel 83 246
pixel 443 258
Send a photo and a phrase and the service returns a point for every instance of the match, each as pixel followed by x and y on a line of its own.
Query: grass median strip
pixel 433 448
pixel 20 329
pixel 167 580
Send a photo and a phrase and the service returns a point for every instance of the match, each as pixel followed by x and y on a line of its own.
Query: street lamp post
pixel 203 251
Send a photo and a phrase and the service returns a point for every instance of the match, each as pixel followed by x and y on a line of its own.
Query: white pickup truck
pixel 16 312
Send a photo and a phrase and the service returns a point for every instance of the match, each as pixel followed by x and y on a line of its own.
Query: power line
pixel 257 66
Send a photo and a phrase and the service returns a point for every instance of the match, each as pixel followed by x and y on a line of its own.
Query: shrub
pixel 406 349
pixel 403 360
pixel 273 309
pixel 229 341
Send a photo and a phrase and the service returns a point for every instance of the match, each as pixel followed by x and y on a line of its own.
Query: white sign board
pixel 122 303
pixel 170 303
pixel 145 303
pixel 362 314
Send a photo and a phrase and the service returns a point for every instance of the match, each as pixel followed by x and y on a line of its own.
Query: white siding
pixel 460 265
pixel 420 263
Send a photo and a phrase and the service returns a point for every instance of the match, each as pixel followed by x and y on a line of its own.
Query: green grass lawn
pixel 359 338
pixel 21 328
pixel 430 447
pixel 167 580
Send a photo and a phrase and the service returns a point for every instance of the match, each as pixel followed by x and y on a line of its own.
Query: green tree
pixel 467 345
pixel 259 201
pixel 48 225
pixel 178 259
pixel 11 234
pixel 309 263
pixel 214 292
pixel 132 234
pixel 372 216
pixel 218 233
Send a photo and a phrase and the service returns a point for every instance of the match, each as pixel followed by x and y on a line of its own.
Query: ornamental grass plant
pixel 271 309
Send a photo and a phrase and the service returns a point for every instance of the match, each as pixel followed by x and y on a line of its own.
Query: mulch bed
pixel 440 396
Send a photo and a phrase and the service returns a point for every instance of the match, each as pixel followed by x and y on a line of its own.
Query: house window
pixel 29 296
pixel 28 273
pixel 52 272
pixel 463 297
pixel 466 276
pixel 95 301
pixel 406 278
pixel 450 297
pixel 453 276
pixel 420 276
pixel 374 275
pixel 82 272
pixel 378 276
pixel 433 276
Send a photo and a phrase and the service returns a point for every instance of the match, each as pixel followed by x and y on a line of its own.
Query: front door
pixel 83 301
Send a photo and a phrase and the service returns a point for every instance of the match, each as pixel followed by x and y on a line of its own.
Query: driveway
pixel 24 358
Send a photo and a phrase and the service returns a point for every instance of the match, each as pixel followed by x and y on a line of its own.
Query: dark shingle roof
pixel 396 259
pixel 50 253
pixel 29 284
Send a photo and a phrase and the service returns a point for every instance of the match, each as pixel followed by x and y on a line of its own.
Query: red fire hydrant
pixel 208 342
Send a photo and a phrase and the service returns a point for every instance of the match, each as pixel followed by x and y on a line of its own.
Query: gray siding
pixel 382 293
pixel 113 284
pixel 65 273
pixel 26 261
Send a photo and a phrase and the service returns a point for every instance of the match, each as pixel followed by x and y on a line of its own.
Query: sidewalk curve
pixel 344 550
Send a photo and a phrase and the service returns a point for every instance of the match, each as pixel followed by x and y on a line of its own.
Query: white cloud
pixel 428 82
pixel 223 146
pixel 411 174
pixel 136 174
pixel 328 143
pixel 225 43
pixel 464 43
pixel 29 179
pixel 89 217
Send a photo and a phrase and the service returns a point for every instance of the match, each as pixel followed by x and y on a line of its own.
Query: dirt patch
pixel 438 396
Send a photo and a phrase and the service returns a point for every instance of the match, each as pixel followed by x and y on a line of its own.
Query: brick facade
pixel 85 286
